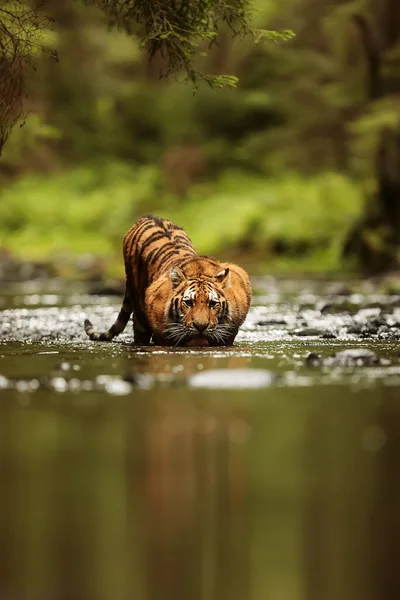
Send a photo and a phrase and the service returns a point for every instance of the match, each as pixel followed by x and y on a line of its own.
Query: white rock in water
pixel 232 379
pixel 4 383
pixel 117 387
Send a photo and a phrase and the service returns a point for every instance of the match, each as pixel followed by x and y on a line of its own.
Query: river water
pixel 267 470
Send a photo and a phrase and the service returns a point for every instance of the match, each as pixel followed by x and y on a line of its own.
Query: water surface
pixel 122 479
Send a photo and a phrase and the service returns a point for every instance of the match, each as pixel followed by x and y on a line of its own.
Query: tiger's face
pixel 198 313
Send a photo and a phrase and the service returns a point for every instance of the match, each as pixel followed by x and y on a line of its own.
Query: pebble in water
pixel 59 384
pixel 117 387
pixel 232 379
pixel 4 382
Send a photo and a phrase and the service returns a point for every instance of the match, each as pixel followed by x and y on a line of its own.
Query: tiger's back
pixel 154 244
pixel 162 266
pixel 150 248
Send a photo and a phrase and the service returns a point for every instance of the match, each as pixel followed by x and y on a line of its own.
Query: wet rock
pixel 272 321
pixel 21 385
pixel 12 270
pixel 64 366
pixel 89 264
pixel 333 308
pixel 368 331
pixel 308 332
pixel 339 289
pixel 377 321
pixel 328 335
pixel 352 357
pixel 58 384
pixel 355 329
pixel 114 385
pixel 313 359
pixel 4 382
pixel 132 379
pixel 357 357
pixel 232 379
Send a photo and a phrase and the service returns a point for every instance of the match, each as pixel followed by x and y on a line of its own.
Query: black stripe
pixel 171 310
pixel 139 277
pixel 168 231
pixel 154 237
pixel 176 227
pixel 175 249
pixel 139 231
pixel 136 307
pixel 143 231
pixel 187 260
pixel 140 317
pixel 165 258
pixel 176 307
pixel 224 311
pixel 183 239
pixel 155 254
pixel 187 247
pixel 120 323
pixel 210 260
pixel 136 230
pixel 143 227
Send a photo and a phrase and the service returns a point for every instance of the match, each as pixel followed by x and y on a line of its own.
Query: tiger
pixel 175 296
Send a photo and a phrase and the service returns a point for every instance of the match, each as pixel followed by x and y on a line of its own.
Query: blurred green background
pixel 296 169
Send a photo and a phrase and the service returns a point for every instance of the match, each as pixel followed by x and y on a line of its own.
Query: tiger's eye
pixel 213 303
pixel 189 303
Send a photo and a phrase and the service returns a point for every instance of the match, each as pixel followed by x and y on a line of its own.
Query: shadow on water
pixel 121 478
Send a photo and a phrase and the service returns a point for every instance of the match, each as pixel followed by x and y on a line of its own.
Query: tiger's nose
pixel 200 326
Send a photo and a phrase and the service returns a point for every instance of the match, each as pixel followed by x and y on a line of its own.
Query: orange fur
pixel 176 296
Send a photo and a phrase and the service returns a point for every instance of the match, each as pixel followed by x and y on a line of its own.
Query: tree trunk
pixel 374 240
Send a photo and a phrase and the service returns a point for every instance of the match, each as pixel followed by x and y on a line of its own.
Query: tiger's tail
pixel 115 329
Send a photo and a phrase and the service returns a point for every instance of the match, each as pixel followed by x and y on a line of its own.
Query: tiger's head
pixel 198 312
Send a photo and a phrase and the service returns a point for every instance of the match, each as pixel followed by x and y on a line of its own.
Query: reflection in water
pixel 282 493
pixel 195 491
pixel 174 366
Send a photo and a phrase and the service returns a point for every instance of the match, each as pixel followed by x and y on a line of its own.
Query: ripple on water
pixel 279 332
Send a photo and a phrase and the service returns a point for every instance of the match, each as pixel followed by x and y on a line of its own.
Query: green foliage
pixel 74 212
pixel 178 30
pixel 381 117
pixel 303 110
pixel 88 210
pixel 29 142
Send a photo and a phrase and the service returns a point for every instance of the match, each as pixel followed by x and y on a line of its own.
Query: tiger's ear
pixel 176 276
pixel 223 277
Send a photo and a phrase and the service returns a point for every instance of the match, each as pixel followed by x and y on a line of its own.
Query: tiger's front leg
pixel 141 337
pixel 229 341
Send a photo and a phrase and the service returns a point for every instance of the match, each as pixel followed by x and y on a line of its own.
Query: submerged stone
pixel 271 322
pixel 313 359
pixel 232 379
pixel 352 357
pixel 309 332
pixel 333 308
